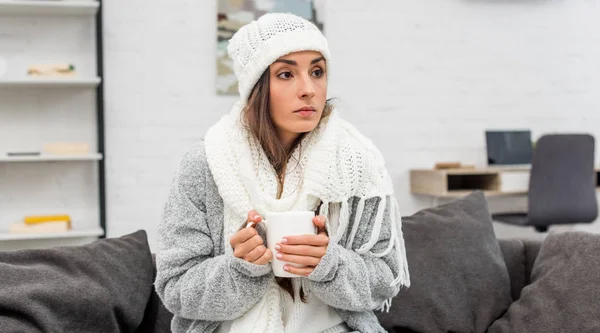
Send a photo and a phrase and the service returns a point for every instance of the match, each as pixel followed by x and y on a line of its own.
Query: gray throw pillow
pixel 564 294
pixel 459 280
pixel 100 287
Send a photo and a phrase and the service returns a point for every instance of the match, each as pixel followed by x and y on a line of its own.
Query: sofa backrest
pixel 519 255
pixel 157 318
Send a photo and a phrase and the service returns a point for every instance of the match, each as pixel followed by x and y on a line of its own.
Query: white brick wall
pixel 423 79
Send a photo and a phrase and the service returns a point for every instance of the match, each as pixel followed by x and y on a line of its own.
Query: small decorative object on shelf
pixel 452 165
pixel 42 224
pixel 23 153
pixel 53 70
pixel 68 148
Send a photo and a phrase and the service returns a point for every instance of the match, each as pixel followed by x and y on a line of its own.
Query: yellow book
pixel 33 219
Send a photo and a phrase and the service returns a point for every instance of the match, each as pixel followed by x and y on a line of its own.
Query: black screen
pixel 509 147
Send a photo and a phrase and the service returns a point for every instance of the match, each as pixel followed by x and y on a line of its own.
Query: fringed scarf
pixel 332 164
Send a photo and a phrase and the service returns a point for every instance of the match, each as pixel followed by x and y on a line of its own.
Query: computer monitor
pixel 509 148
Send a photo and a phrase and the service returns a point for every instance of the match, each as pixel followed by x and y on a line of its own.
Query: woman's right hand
pixel 248 245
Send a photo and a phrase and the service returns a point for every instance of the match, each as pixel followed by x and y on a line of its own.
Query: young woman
pixel 282 147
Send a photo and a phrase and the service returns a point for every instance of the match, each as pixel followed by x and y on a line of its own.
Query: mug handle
pixel 250 224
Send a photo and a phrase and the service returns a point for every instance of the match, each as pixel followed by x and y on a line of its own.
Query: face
pixel 297 93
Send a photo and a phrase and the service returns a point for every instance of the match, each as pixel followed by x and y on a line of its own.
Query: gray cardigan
pixel 203 287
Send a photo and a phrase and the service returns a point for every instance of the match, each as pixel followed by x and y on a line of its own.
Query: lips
pixel 306 113
pixel 306 109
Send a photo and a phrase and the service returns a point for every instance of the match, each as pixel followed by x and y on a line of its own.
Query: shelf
pixel 96 232
pixel 48 8
pixel 58 82
pixel 456 183
pixel 51 158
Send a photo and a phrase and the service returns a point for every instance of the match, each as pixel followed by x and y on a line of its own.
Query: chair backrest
pixel 562 187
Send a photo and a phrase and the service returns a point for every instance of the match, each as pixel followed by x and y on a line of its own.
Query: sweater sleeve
pixel 192 281
pixel 350 281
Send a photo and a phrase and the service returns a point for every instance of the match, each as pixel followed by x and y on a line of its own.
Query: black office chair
pixel 562 183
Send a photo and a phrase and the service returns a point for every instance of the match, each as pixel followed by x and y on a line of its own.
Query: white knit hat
pixel 259 43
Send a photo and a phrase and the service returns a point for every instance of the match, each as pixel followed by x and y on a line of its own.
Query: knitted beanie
pixel 259 43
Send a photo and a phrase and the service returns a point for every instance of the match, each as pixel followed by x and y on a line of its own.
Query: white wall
pixel 423 79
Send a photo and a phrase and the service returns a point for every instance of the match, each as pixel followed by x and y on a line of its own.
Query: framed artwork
pixel 233 14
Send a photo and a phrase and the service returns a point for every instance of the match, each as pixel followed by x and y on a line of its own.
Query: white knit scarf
pixel 332 164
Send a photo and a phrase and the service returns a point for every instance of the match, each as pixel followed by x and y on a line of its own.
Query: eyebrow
pixel 294 63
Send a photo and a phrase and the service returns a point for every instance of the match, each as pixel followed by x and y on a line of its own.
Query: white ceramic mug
pixel 281 224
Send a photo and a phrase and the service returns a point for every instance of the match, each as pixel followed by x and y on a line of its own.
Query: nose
pixel 306 88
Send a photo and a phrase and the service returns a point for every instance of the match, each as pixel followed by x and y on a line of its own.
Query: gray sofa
pixel 519 256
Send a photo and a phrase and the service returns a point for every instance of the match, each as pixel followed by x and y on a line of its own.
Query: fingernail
pixel 277 247
pixel 279 255
pixel 285 268
pixel 284 240
pixel 256 217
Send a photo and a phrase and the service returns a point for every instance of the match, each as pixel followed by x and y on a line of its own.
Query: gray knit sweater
pixel 203 287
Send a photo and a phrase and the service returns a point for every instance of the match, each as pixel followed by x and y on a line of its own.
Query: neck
pixel 288 140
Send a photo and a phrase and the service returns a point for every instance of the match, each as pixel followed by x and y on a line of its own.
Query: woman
pixel 283 147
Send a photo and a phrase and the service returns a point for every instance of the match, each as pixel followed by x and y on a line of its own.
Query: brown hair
pixel 257 116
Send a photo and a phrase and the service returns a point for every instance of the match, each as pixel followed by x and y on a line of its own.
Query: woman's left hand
pixel 305 250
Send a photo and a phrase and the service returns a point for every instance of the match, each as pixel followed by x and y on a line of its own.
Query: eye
pixel 284 75
pixel 318 72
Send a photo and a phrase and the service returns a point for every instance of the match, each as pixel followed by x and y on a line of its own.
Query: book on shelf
pixel 71 148
pixel 52 70
pixel 42 224
pixel 40 228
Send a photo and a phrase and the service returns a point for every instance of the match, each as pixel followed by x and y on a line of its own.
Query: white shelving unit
pixel 49 82
pixel 52 158
pixel 33 107
pixel 43 8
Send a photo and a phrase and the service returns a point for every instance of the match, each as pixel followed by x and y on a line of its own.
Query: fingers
pixel 265 259
pixel 244 248
pixel 242 236
pixel 303 250
pixel 253 255
pixel 253 216
pixel 304 271
pixel 314 240
pixel 296 259
pixel 247 243
pixel 319 222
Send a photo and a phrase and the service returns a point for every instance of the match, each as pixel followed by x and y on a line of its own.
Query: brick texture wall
pixel 423 79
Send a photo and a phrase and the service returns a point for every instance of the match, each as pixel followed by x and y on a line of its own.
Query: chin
pixel 305 128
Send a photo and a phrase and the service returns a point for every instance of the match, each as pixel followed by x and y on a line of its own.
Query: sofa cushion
pixel 100 287
pixel 565 289
pixel 459 281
